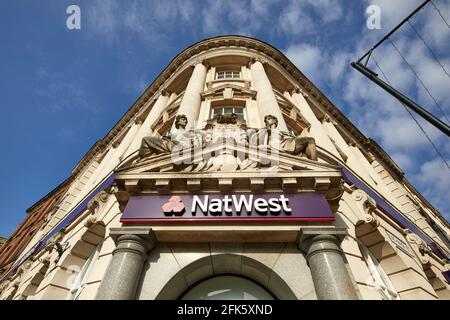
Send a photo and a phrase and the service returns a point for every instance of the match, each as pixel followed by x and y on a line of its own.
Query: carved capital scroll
pixel 366 208
pixel 94 207
pixel 419 247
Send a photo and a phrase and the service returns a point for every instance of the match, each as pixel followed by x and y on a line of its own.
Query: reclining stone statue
pixel 279 140
pixel 177 140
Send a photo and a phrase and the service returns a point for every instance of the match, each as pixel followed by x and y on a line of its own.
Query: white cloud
pixel 405 161
pixel 433 177
pixel 393 11
pixel 328 10
pixel 308 59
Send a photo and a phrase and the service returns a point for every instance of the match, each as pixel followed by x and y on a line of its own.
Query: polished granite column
pixel 326 262
pixel 124 271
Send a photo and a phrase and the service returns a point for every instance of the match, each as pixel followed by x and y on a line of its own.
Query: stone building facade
pixel 233 176
pixel 2 241
pixel 36 218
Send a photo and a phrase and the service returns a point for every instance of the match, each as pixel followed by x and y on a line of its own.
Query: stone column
pixel 113 159
pixel 326 262
pixel 190 103
pixel 124 271
pixel 145 129
pixel 352 161
pixel 316 130
pixel 98 171
pixel 265 97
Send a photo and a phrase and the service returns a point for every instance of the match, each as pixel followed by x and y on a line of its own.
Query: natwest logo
pixel 241 204
pixel 228 208
pixel 229 205
pixel 174 206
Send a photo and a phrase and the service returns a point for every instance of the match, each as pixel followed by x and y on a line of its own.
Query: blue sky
pixel 62 90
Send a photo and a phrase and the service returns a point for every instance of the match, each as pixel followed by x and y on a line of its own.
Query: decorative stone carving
pixel 226 144
pixel 176 140
pixel 257 59
pixel 297 89
pixel 366 206
pixel 121 196
pixel 46 258
pixel 55 243
pixel 327 118
pixel 200 61
pixel 94 207
pixel 4 285
pixel 278 140
pixel 419 247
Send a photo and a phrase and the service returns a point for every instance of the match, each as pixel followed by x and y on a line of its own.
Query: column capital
pixel 143 236
pixel 165 93
pixel 366 207
pixel 121 279
pixel 138 121
pixel 327 118
pixel 308 236
pixel 299 90
pixel 116 144
pixel 200 61
pixel 257 59
pixel 352 143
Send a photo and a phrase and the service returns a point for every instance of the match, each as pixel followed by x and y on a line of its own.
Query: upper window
pixel 228 75
pixel 239 111
pixel 382 283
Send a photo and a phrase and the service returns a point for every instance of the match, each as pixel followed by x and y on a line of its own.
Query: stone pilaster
pixel 124 271
pixel 326 262
pixel 317 131
pixel 190 103
pixel 145 129
pixel 265 97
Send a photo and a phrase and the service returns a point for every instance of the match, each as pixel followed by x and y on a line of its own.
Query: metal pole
pixel 395 29
pixel 436 122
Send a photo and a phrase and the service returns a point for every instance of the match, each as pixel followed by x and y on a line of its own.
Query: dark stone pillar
pixel 124 271
pixel 326 262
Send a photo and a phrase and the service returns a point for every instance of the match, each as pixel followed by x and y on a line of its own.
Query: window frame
pixel 381 280
pixel 79 283
pixel 213 114
pixel 222 75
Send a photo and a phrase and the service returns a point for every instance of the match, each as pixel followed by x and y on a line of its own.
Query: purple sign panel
pixel 236 207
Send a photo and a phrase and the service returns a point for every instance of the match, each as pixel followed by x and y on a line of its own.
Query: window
pixel 440 232
pixel 228 75
pixel 80 281
pixel 382 283
pixel 227 288
pixel 239 111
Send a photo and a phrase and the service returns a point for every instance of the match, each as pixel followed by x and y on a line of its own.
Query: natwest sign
pixel 236 207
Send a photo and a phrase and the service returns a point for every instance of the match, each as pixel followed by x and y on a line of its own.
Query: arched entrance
pixel 239 277
pixel 227 287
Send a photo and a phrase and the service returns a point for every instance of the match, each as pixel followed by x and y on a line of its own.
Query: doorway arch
pixel 227 287
pixel 273 286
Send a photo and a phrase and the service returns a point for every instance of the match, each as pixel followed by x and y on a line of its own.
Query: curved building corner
pixel 234 177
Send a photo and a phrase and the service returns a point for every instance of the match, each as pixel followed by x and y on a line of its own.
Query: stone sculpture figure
pixel 177 139
pixel 276 139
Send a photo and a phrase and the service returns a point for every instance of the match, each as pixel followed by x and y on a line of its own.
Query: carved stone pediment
pixel 223 156
pixel 228 167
